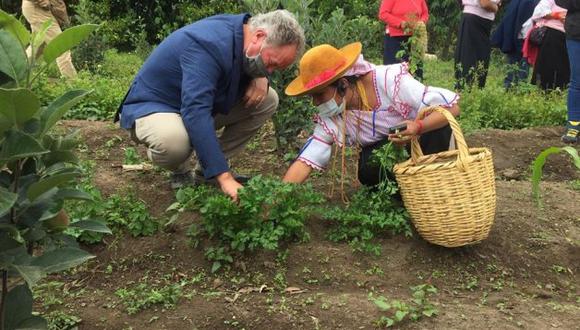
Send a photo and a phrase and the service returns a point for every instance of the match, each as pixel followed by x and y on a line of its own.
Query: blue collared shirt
pixel 196 72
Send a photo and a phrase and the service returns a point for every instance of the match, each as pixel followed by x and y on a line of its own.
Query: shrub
pixel 268 212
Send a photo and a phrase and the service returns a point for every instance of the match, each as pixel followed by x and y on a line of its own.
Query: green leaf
pixel 13 60
pixel 538 165
pixel 12 25
pixel 382 305
pixel 31 274
pixel 18 306
pixel 400 315
pixel 91 225
pixel 59 107
pixel 216 266
pixel 20 145
pixel 38 38
pixel 67 40
pixel 38 188
pixel 61 259
pixel 18 105
pixel 7 200
pixel 430 312
pixel 574 154
pixel 69 193
pixel 13 231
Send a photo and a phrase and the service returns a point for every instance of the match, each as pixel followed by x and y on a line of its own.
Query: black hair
pixel 341 86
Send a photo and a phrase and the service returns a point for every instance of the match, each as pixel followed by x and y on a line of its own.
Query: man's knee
pixel 167 142
pixel 170 150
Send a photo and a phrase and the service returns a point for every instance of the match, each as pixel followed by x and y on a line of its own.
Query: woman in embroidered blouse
pixel 401 18
pixel 372 98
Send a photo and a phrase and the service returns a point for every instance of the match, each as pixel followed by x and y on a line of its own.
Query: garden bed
pixel 525 275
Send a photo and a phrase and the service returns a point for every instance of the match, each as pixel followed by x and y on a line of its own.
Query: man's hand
pixel 256 92
pixel 229 185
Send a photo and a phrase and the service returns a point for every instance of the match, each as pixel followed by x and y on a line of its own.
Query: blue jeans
pixel 574 89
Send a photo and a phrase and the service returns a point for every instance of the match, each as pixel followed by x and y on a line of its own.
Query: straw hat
pixel 321 66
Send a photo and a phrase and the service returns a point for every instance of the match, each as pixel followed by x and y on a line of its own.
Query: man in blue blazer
pixel 209 75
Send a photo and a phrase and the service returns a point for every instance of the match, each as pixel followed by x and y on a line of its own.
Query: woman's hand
pixel 256 92
pixel 403 137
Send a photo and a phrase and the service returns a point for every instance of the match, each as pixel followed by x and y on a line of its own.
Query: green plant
pixel 268 212
pixel 372 210
pixel 131 156
pixel 119 211
pixel 538 166
pixel 142 296
pixel 37 171
pixel 58 320
pixel 414 310
pixel 90 52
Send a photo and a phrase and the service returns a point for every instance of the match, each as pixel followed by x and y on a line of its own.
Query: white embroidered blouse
pixel 399 98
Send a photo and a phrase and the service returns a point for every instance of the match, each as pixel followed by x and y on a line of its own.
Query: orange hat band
pixel 324 76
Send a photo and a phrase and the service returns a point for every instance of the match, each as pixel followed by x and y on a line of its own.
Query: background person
pixel 551 67
pixel 358 102
pixel 205 76
pixel 473 44
pixel 401 18
pixel 572 27
pixel 507 37
pixel 36 13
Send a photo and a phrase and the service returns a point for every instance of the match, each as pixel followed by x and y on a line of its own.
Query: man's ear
pixel 260 34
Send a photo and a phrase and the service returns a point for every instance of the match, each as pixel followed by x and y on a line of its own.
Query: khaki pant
pixel 168 144
pixel 36 16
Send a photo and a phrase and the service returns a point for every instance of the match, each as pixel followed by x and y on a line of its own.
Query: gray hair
pixel 281 27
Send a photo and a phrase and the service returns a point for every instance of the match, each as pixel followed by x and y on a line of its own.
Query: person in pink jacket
pixel 401 18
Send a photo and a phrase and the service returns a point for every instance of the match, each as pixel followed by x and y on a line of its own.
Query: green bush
pixel 268 213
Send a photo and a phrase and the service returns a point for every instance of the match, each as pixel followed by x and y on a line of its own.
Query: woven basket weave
pixel 450 195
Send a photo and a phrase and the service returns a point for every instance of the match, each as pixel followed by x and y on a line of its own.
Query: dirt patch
pixel 525 275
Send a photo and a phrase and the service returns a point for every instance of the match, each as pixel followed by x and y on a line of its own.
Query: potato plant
pixel 372 211
pixel 37 172
pixel 268 213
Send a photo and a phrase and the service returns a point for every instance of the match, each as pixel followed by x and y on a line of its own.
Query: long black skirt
pixel 552 68
pixel 432 142
pixel 472 51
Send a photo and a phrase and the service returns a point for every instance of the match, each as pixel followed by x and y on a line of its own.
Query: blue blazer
pixel 196 72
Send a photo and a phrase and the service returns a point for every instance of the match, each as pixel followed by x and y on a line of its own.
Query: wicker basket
pixel 450 195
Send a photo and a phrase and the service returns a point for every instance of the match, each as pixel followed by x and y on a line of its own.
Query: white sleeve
pixel 318 149
pixel 439 96
pixel 404 91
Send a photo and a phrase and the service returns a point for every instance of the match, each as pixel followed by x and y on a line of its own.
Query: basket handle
pixel 463 154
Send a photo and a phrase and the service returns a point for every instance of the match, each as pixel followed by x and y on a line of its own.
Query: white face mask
pixel 254 66
pixel 330 108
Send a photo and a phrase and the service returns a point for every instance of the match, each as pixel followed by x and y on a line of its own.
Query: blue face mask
pixel 330 108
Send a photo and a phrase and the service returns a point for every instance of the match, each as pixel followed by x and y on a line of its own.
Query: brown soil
pixel 525 275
